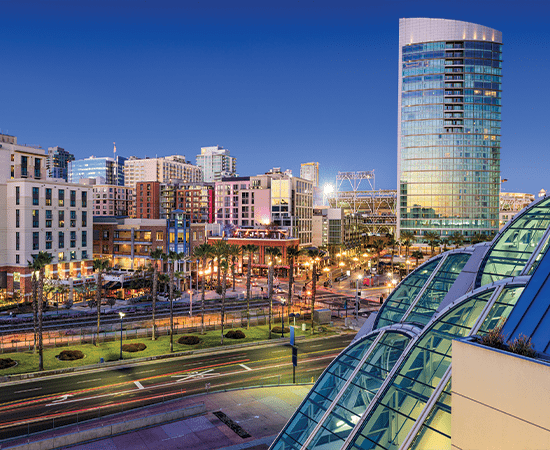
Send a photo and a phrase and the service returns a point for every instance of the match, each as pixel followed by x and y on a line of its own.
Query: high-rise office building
pixel 57 162
pixel 110 169
pixel 310 171
pixel 449 111
pixel 216 163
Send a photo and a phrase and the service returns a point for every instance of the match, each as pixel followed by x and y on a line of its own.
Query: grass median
pixel 110 351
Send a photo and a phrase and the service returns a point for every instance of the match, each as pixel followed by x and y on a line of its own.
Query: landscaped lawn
pixel 110 351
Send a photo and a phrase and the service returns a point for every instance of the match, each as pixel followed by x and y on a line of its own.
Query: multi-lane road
pixel 41 403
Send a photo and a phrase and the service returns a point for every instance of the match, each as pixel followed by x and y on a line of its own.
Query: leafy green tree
pixel 379 246
pixel 100 266
pixel 234 251
pixel 43 259
pixel 391 243
pixel 33 265
pixel 203 252
pixel 219 250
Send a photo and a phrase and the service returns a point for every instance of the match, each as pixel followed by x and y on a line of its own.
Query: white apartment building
pixel 216 163
pixel 162 169
pixel 310 171
pixel 38 213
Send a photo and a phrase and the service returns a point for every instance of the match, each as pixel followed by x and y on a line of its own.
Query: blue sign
pixel 292 336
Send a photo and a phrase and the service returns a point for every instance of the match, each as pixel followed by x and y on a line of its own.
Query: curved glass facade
pixel 449 135
pixel 418 296
pixel 513 248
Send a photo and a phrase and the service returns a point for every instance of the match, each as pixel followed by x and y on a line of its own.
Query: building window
pixel 48 197
pixel 73 199
pixel 17 240
pixel 61 239
pixel 17 194
pixel 36 167
pixel 35 196
pixel 35 218
pixel 73 256
pixel 24 162
pixel 61 218
pixel 16 218
pixel 73 218
pixel 105 234
pixel 61 197
pixel 35 240
pixel 16 259
pixel 84 254
pixel 84 238
pixel 160 236
pixel 61 256
pixel 84 219
pixel 105 249
pixel 84 199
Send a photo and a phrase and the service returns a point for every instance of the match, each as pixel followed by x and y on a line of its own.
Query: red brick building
pixel 147 196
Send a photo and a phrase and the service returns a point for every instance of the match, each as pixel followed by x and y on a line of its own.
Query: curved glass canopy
pixel 512 250
pixel 418 296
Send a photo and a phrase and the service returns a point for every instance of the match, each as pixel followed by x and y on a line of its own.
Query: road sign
pixel 294 356
pixel 292 336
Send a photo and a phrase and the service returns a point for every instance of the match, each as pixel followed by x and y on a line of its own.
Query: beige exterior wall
pixel 499 400
pixel 163 170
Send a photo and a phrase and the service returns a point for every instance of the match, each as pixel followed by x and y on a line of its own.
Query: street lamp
pixel 359 278
pixel 190 303
pixel 121 314
pixel 282 321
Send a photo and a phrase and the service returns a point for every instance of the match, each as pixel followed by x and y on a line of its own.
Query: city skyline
pixel 291 83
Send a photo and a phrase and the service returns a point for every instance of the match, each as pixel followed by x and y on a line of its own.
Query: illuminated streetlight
pixel 121 314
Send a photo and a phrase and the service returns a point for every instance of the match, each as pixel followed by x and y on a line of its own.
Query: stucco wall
pixel 499 400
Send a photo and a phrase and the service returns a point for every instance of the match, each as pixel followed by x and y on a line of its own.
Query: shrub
pixel 523 346
pixel 494 338
pixel 278 330
pixel 6 363
pixel 189 340
pixel 70 355
pixel 235 334
pixel 134 347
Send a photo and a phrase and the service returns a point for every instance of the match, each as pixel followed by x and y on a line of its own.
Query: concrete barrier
pixel 110 430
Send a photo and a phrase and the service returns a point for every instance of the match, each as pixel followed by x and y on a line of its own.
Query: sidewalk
pixel 257 414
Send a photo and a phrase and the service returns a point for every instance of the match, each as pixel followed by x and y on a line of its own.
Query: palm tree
pixel 406 239
pixel 433 239
pixel 43 259
pixel 417 254
pixel 219 250
pixel 203 252
pixel 100 266
pixel 273 252
pixel 457 239
pixel 156 256
pixel 223 266
pixel 172 257
pixel 234 252
pixel 379 246
pixel 250 249
pixel 34 285
pixel 391 243
pixel 291 254
pixel 314 254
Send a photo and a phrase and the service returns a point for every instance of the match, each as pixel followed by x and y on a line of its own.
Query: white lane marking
pixel 61 399
pixel 146 371
pixel 193 375
pixel 138 384
pixel 244 366
pixel 88 381
pixel 318 345
pixel 28 390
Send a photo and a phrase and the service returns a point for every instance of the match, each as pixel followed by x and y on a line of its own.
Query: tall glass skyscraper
pixel 449 101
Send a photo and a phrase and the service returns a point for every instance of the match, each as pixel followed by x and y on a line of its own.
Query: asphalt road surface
pixel 41 404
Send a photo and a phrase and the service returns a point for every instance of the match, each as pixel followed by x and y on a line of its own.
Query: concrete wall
pixel 111 430
pixel 499 400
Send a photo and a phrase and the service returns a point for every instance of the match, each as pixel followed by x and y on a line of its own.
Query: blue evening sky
pixel 276 82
